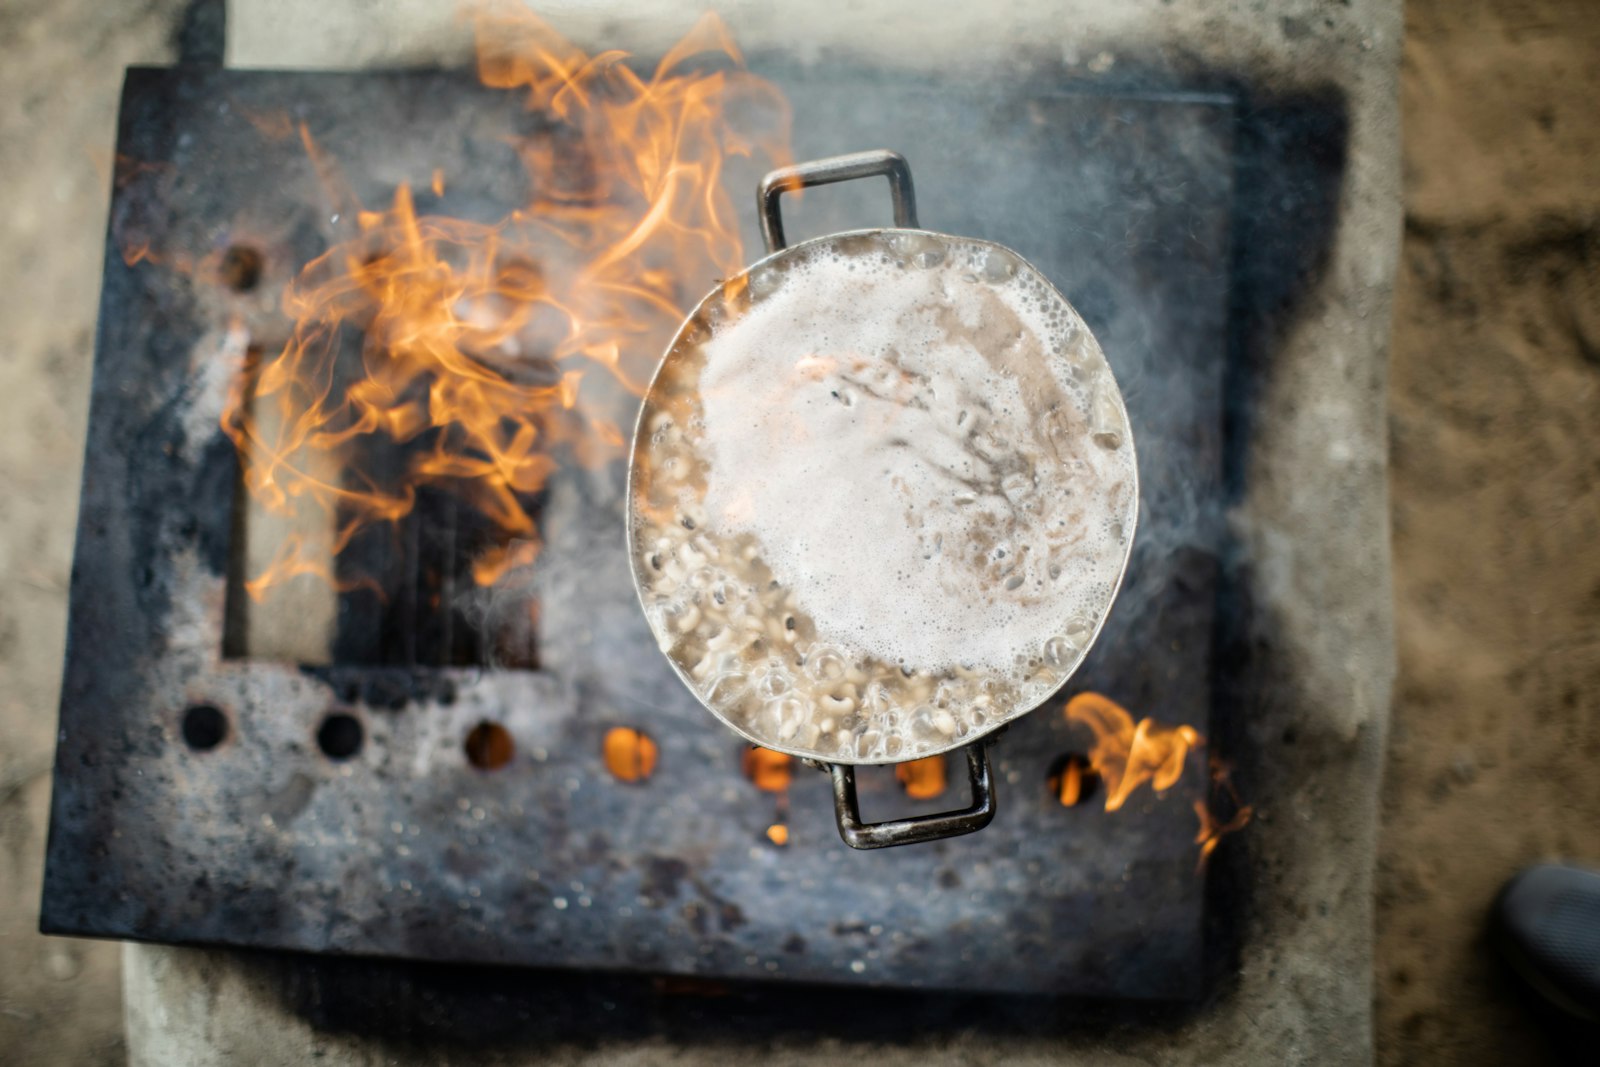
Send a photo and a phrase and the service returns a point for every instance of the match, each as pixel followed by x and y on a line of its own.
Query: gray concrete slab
pixel 1314 514
pixel 59 81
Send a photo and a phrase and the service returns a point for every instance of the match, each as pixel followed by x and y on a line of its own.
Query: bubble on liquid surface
pixel 998 265
pixel 774 681
pixel 1059 652
pixel 825 665
pixel 728 687
pixel 1105 418
pixel 783 718
pixel 764 281
pixel 878 699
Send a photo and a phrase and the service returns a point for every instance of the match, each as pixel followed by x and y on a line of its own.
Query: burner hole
pixel 630 755
pixel 488 746
pixel 770 771
pixel 241 268
pixel 1072 779
pixel 922 779
pixel 204 727
pixel 339 736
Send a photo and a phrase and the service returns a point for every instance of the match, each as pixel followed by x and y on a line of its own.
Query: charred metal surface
pixel 403 848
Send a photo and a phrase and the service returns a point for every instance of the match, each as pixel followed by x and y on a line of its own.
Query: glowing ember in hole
pixel 629 755
pixel 488 746
pixel 922 779
pixel 770 771
pixel 1072 780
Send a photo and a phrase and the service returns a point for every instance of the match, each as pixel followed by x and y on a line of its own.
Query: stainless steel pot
pixel 855 832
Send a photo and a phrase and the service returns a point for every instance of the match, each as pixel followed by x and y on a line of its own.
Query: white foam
pixel 912 447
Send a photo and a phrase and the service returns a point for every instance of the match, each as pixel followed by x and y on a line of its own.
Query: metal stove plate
pixel 408 851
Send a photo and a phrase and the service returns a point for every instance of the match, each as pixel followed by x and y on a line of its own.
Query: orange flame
pixel 1213 828
pixel 1127 755
pixel 1073 782
pixel 470 343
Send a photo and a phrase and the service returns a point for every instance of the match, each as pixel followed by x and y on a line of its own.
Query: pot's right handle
pixel 857 834
pixel 891 165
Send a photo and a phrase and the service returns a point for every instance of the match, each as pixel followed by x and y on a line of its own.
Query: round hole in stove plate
pixel 340 736
pixel 488 746
pixel 241 268
pixel 204 727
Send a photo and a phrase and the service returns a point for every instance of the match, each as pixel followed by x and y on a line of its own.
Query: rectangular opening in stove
pixel 380 572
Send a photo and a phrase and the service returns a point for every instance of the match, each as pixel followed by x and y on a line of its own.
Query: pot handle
pixel 857 834
pixel 891 165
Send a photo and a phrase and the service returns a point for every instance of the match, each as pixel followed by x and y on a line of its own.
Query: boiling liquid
pixel 884 497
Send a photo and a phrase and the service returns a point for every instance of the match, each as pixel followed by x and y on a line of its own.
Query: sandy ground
pixel 1496 380
pixel 1495 751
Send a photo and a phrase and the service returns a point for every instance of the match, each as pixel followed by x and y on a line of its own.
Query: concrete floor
pixel 1494 385
pixel 60 75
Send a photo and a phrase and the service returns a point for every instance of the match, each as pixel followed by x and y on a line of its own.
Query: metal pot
pixel 666 385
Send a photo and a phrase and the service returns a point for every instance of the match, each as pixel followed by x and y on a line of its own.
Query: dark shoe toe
pixel 1546 922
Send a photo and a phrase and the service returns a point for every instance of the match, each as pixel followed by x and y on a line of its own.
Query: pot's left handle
pixel 891 165
pixel 975 817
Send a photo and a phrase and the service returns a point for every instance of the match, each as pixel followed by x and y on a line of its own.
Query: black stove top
pixel 236 825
